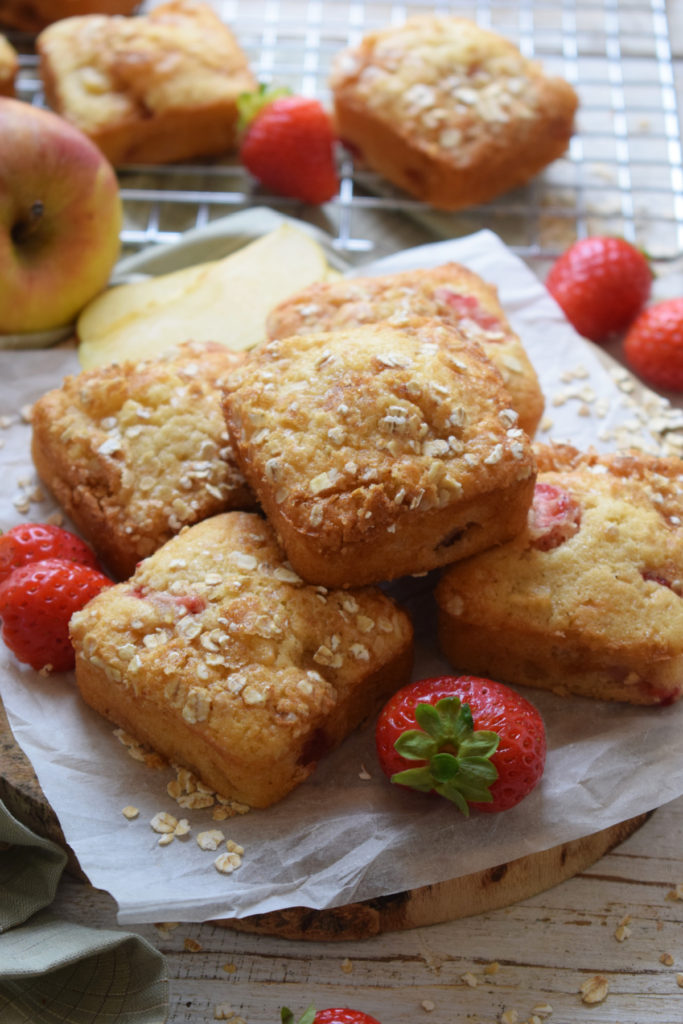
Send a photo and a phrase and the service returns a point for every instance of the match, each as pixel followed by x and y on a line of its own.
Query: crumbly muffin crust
pixel 588 599
pixel 379 451
pixel 135 451
pixel 220 657
pixel 448 111
pixel 151 88
pixel 451 292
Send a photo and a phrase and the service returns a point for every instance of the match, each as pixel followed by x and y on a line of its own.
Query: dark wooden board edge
pixel 456 898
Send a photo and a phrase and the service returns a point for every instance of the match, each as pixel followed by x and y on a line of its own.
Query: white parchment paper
pixel 344 835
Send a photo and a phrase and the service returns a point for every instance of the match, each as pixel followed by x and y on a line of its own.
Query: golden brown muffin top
pixel 219 624
pixel 351 429
pixel 111 69
pixel 451 292
pixel 152 433
pixel 442 78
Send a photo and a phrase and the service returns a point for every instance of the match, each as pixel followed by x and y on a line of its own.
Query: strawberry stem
pixel 457 756
pixel 250 104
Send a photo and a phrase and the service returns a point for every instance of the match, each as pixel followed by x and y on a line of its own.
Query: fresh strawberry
pixel 287 143
pixel 478 743
pixel 31 542
pixel 36 602
pixel 601 283
pixel 338 1015
pixel 653 347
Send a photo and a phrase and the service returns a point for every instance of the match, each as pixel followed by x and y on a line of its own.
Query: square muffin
pixel 223 660
pixel 9 66
pixel 380 451
pixel 153 88
pixel 448 111
pixel 451 292
pixel 588 598
pixel 136 451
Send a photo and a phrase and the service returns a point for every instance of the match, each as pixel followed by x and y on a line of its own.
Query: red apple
pixel 60 219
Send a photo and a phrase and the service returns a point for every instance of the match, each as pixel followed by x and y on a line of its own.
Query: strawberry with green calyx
pixel 337 1015
pixel 287 143
pixel 478 743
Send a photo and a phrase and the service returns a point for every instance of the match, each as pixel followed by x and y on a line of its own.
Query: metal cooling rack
pixel 623 173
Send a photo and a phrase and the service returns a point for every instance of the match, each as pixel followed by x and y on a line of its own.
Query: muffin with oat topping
pixel 223 660
pixel 379 450
pixel 135 451
pixel 588 598
pixel 448 111
pixel 152 88
pixel 451 292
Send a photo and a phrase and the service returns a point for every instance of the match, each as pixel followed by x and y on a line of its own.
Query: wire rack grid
pixel 623 172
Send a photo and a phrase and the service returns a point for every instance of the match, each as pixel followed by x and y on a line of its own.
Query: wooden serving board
pixel 491 889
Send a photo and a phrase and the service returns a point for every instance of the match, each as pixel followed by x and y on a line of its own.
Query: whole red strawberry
pixel 477 742
pixel 653 346
pixel 337 1015
pixel 36 602
pixel 31 542
pixel 601 283
pixel 288 144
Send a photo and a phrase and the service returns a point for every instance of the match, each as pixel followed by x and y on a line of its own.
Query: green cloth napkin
pixel 54 971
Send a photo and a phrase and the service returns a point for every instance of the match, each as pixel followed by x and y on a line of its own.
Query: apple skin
pixel 60 219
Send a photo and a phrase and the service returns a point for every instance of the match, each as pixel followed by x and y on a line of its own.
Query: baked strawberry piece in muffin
pixel 588 599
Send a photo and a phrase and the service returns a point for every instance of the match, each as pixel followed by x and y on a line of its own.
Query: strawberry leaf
pixel 250 104
pixel 444 767
pixel 415 745
pixel 456 797
pixel 471 785
pixel 287 1017
pixel 480 743
pixel 430 720
pixel 457 756
pixel 447 721
pixel 420 779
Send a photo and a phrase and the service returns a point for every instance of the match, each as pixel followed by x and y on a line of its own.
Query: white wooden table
pixel 621 920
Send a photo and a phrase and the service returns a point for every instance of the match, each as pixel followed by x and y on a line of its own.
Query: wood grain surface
pixel 526 962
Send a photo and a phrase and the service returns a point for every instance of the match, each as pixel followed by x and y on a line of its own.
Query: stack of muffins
pixel 267 497
pixel 253 506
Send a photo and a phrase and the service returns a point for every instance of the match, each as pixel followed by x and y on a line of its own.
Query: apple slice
pixel 226 300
